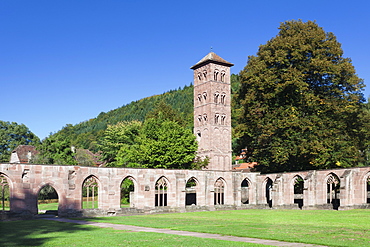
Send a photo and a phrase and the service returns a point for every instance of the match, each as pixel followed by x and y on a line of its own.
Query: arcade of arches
pixel 88 191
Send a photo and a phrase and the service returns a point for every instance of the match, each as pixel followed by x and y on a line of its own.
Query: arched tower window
pixel 215 75
pixel 205 95
pixel 219 192
pixel 217 116
pixel 90 193
pixel 199 118
pixel 223 76
pixel 217 94
pixel 199 97
pixel 223 98
pixel 199 76
pixel 205 74
pixel 223 117
pixel 205 117
pixel 4 193
pixel 333 190
pixel 161 192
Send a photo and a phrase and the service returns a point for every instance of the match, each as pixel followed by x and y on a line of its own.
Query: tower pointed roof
pixel 212 57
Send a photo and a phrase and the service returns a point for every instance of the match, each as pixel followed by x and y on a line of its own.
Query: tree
pixel 54 150
pixel 300 102
pixel 13 135
pixel 160 144
pixel 116 136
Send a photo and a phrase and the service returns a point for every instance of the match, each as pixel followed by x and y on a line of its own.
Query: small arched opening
pixel 219 194
pixel 4 193
pixel 161 187
pixel 127 193
pixel 191 192
pixel 298 184
pixel 333 190
pixel 47 200
pixel 268 194
pixel 245 191
pixel 90 193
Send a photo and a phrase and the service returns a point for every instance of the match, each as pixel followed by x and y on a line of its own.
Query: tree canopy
pixel 300 102
pixel 11 136
pixel 160 142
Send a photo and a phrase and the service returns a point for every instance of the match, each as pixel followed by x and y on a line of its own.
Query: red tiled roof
pixel 244 166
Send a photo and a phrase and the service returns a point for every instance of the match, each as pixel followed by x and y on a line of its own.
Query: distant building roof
pixel 212 57
pixel 94 157
pixel 23 154
pixel 245 166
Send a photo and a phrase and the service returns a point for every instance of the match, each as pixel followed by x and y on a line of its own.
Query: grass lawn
pixel 54 206
pixel 324 227
pixel 51 233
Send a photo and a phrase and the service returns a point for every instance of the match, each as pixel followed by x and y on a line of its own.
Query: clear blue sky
pixel 66 61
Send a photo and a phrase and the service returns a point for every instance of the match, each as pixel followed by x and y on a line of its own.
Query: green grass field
pixel 51 233
pixel 324 227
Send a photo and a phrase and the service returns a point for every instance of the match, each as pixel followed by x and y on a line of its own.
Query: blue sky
pixel 64 62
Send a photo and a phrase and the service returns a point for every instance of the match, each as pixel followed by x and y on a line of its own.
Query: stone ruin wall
pixel 26 180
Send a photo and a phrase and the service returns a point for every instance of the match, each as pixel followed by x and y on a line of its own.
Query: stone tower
pixel 212 110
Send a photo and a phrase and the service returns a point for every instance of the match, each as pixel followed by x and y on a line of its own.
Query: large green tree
pixel 301 102
pixel 161 141
pixel 160 144
pixel 13 135
pixel 54 150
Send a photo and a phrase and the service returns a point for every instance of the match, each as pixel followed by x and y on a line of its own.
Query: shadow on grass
pixel 33 232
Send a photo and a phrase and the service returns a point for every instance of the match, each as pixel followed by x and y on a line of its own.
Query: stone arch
pixel 5 186
pixel 332 183
pixel 219 191
pixel 90 192
pixel 298 185
pixel 245 191
pixel 128 192
pixel 161 192
pixel 47 193
pixel 191 187
pixel 268 183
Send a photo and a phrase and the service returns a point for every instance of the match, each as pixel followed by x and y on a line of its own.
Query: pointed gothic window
pixel 219 192
pixel 4 193
pixel 199 118
pixel 199 97
pixel 161 192
pixel 90 193
pixel 205 117
pixel 199 76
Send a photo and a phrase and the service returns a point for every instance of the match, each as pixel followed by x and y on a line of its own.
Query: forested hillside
pixel 87 134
